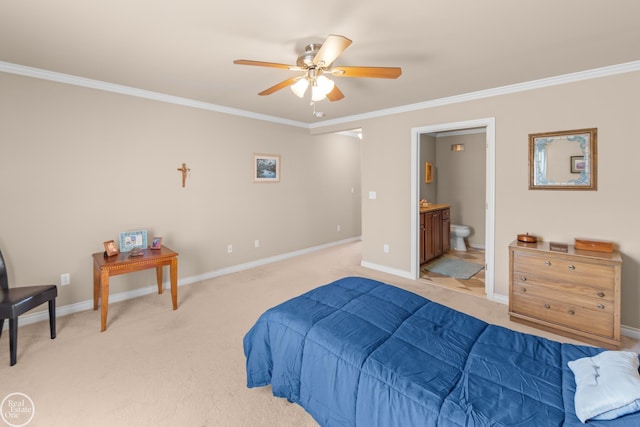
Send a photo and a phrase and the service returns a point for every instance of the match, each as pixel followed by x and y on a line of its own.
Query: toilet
pixel 458 234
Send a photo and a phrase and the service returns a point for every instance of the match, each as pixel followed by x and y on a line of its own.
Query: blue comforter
pixel 358 352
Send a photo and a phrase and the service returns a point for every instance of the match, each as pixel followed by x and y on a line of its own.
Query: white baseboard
pixel 385 269
pixel 122 296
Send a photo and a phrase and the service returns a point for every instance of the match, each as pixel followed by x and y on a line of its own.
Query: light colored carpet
pixel 158 367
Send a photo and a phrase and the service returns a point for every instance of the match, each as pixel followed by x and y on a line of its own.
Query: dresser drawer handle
pixel 547 263
pixel 547 306
pixel 523 289
pixel 522 278
pixel 601 294
pixel 601 306
pixel 571 312
pixel 572 267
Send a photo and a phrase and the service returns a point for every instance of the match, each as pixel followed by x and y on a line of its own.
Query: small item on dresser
pixel 594 245
pixel 558 247
pixel 527 238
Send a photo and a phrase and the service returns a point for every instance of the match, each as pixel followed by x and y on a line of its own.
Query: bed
pixel 359 352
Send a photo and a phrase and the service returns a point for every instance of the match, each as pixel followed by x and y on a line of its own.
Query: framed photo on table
pixel 156 243
pixel 110 248
pixel 130 240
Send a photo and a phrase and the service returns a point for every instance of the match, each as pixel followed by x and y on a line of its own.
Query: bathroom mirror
pixel 565 160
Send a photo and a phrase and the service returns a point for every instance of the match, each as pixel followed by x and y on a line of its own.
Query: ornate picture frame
pixel 549 153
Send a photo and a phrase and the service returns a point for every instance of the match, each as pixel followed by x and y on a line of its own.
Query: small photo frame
pixel 266 168
pixel 428 173
pixel 130 240
pixel 110 248
pixel 577 164
pixel 156 243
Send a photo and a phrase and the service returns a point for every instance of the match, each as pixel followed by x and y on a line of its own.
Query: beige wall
pixel 79 165
pixel 612 104
pixel 461 181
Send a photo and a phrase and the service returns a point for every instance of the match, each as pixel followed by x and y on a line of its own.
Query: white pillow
pixel 607 385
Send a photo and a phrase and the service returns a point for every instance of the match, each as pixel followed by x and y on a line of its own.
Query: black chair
pixel 16 301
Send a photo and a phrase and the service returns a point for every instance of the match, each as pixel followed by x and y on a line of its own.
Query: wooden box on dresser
pixel 574 293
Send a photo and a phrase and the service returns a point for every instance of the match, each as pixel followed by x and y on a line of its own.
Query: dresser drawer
pixel 598 275
pixel 564 314
pixel 570 289
pixel 552 295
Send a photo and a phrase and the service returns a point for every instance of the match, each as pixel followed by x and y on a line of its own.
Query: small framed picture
pixel 156 243
pixel 428 173
pixel 110 248
pixel 577 164
pixel 130 240
pixel 266 168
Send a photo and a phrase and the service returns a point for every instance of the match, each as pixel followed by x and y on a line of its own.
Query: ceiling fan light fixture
pixel 326 85
pixel 317 94
pixel 300 87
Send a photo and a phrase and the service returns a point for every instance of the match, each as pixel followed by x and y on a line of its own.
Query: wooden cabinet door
pixel 446 235
pixel 436 233
pixel 423 238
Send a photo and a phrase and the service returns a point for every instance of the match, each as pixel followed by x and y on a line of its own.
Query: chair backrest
pixel 4 282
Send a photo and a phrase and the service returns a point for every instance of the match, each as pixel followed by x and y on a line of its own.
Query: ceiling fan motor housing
pixel 305 60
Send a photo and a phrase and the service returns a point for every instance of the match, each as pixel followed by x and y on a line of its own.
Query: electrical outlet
pixel 65 279
pixel 385 248
pixel 338 228
pixel 229 248
pixel 256 244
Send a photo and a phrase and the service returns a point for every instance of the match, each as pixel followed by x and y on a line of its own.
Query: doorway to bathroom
pixel 461 157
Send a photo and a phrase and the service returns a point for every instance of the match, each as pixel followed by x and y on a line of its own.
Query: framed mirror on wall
pixel 564 160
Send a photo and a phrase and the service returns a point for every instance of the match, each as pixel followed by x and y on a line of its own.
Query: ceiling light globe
pixel 326 85
pixel 300 87
pixel 317 94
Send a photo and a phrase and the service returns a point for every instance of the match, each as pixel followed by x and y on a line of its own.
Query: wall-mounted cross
pixel 184 169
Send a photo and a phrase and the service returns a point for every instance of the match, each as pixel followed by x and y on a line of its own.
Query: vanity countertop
pixel 434 207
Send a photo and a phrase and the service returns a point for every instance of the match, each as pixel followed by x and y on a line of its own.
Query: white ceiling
pixel 445 47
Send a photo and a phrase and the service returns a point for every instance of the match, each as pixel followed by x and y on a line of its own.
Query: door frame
pixel 489 125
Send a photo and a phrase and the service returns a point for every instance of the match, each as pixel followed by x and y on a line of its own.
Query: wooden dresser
pixel 574 293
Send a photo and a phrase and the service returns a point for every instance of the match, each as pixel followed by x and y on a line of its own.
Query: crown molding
pixel 628 67
pixel 38 73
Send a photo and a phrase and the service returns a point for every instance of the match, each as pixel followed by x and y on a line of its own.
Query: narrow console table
pixel 122 263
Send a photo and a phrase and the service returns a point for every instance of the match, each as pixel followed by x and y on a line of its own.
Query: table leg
pixel 159 278
pixel 104 291
pixel 174 282
pixel 96 287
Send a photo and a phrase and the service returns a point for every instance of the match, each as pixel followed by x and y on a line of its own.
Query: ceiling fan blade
pixel 280 85
pixel 332 47
pixel 266 64
pixel 371 72
pixel 335 95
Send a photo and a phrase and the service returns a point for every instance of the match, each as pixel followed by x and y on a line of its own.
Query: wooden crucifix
pixel 184 169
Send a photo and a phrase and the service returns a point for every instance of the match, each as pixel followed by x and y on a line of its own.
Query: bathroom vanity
pixel 435 225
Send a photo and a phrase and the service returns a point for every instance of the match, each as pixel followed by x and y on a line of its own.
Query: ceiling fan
pixel 316 63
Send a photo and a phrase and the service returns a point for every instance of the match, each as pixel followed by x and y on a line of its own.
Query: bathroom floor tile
pixel 474 285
